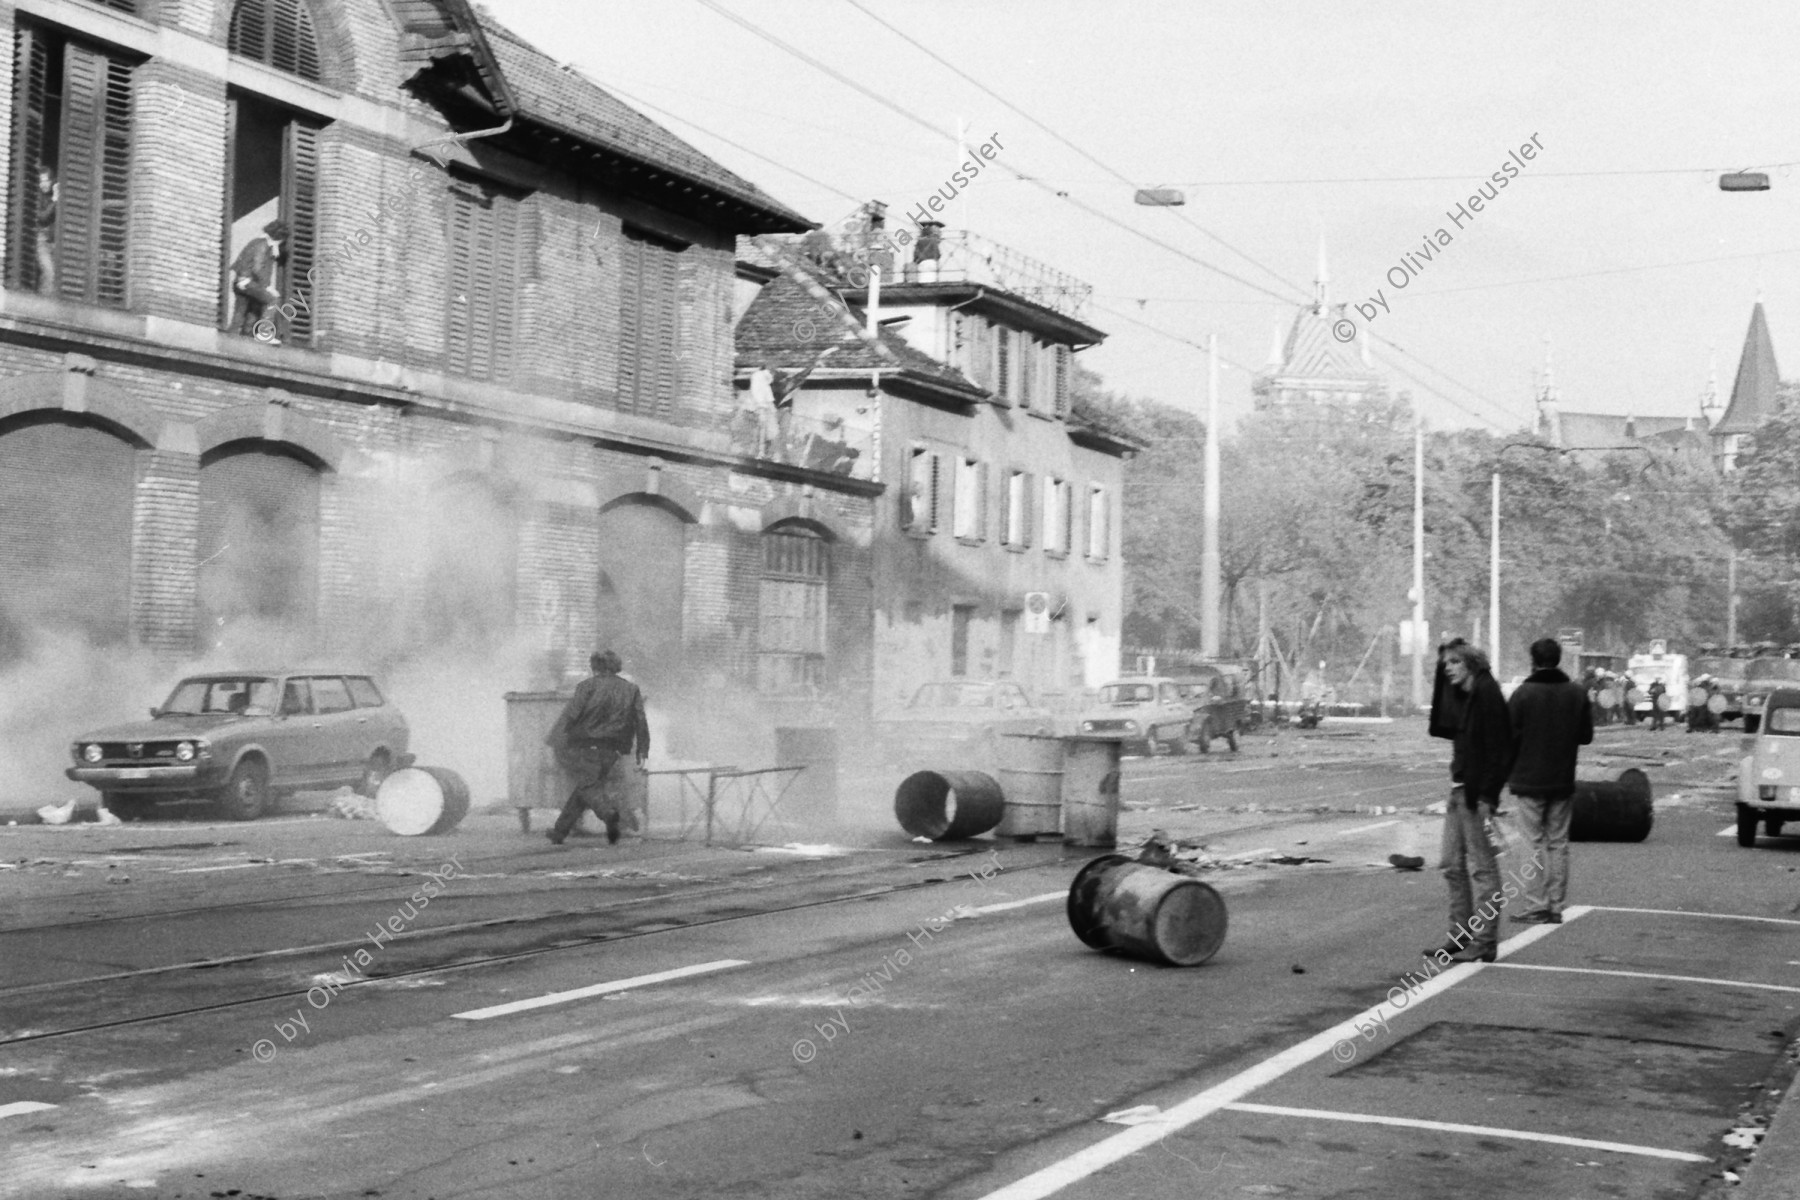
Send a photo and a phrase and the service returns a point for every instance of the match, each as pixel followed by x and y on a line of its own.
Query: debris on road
pixel 1141 1114
pixel 1406 862
pixel 346 803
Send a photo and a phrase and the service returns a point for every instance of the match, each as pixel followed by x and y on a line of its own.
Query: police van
pixel 1670 669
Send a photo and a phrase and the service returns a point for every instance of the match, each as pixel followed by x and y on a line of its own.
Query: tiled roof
pixel 787 325
pixel 552 95
pixel 1753 395
pixel 1313 353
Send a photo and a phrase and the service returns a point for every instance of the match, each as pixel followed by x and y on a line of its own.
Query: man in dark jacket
pixel 1478 770
pixel 603 722
pixel 1550 724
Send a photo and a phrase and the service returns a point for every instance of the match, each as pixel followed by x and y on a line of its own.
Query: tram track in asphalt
pixel 580 943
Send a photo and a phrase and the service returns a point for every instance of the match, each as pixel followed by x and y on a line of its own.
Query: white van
pixel 1672 669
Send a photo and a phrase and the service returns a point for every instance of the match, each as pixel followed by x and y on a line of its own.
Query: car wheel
pixel 374 771
pixel 247 794
pixel 1772 826
pixel 127 808
pixel 1746 831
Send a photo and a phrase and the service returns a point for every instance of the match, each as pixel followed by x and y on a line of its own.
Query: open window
pixel 69 199
pixel 272 180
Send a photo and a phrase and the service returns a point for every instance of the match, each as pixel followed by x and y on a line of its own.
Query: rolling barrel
pixel 1031 776
pixel 948 805
pixel 1612 810
pixel 1146 912
pixel 422 800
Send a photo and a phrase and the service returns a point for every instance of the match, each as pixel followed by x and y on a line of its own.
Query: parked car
pixel 949 721
pixel 1221 709
pixel 1150 714
pixel 242 737
pixel 1763 676
pixel 1769 776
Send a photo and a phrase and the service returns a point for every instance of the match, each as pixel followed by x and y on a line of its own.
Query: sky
pixel 1360 124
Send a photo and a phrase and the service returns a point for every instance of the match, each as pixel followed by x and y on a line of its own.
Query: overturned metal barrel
pixel 422 800
pixel 1612 810
pixel 1146 912
pixel 947 805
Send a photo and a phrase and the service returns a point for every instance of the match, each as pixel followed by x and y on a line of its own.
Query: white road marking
pixel 1767 987
pixel 598 989
pixel 20 1107
pixel 226 867
pixel 1362 828
pixel 1676 912
pixel 1482 1130
pixel 1038 899
pixel 1728 831
pixel 1059 1175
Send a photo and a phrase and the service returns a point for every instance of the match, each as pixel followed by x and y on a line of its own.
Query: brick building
pixel 996 539
pixel 492 410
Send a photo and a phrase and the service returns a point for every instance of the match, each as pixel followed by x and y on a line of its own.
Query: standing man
pixel 1657 710
pixel 1478 769
pixel 1550 724
pixel 602 724
pixel 253 281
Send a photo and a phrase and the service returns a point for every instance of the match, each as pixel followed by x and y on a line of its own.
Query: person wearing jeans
pixel 1551 721
pixel 1479 768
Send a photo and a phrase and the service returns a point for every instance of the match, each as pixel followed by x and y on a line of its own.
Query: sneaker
pixel 1537 918
pixel 1485 954
pixel 612 833
pixel 1553 918
pixel 1450 948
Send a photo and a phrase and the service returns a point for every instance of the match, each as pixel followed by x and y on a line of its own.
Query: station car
pixel 241 738
pixel 1769 776
pixel 1150 714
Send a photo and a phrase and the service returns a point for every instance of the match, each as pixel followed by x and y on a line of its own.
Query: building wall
pixel 921 579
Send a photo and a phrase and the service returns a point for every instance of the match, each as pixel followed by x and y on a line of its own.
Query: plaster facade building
pixel 996 551
pixel 491 407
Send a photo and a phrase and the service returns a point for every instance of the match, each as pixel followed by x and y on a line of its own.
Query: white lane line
pixel 1676 912
pixel 1362 828
pixel 1038 899
pixel 598 989
pixel 1059 1175
pixel 1481 1130
pixel 1728 831
pixel 20 1107
pixel 227 867
pixel 1766 987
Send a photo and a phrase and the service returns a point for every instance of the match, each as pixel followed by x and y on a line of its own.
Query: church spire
pixel 1322 282
pixel 1711 408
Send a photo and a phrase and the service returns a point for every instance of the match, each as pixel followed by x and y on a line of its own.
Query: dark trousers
pixel 589 767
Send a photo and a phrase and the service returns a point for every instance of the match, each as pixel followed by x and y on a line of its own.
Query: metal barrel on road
pixel 1090 790
pixel 1609 810
pixel 1031 778
pixel 1146 912
pixel 947 805
pixel 422 800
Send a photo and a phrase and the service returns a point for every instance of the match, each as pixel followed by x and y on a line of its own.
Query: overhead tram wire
pixel 1104 166
pixel 908 115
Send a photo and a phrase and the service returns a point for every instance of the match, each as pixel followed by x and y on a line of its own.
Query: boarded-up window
pixel 69 198
pixel 484 281
pixel 277 32
pixel 258 548
pixel 66 487
pixel 642 553
pixel 791 630
pixel 649 323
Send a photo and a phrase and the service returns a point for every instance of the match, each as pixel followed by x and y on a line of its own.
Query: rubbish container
pixel 812 797
pixel 947 805
pixel 1146 912
pixel 1090 790
pixel 1031 780
pixel 532 777
pixel 1612 810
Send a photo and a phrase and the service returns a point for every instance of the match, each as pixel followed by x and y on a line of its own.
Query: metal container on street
pixel 1146 912
pixel 1612 810
pixel 422 801
pixel 948 805
pixel 533 779
pixel 1031 779
pixel 1090 790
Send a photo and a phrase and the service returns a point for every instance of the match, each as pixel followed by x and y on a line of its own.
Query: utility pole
pixel 1494 579
pixel 1731 601
pixel 1209 544
pixel 1418 587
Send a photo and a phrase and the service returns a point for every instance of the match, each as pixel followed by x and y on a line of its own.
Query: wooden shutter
pixel 31 66
pixel 631 286
pixel 1062 381
pixel 981 500
pixel 1003 364
pixel 1028 368
pixel 93 201
pixel 484 282
pixel 277 32
pixel 300 209
pixel 649 325
pixel 1026 510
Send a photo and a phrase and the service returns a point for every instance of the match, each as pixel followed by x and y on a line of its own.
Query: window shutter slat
pixel 31 64
pixel 981 501
pixel 300 209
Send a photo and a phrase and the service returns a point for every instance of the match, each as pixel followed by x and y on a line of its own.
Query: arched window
pixel 791 637
pixel 277 32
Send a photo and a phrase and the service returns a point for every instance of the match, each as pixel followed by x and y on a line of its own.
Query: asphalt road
pixel 896 1020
